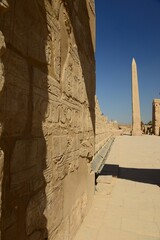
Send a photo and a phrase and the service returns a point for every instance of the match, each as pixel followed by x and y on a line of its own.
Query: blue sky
pixel 127 29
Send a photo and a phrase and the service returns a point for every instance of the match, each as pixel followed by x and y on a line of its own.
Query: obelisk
pixel 136 116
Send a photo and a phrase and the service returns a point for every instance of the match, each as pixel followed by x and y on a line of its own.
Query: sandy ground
pixel 127 209
pixel 136 152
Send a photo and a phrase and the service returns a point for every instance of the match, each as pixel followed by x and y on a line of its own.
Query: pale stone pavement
pixel 125 209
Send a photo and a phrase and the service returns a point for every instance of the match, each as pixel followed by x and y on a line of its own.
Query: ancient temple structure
pixel 49 131
pixel 156 117
pixel 136 117
pixel 104 129
pixel 47 117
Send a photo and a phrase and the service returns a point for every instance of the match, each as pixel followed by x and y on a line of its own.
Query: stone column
pixel 136 118
pixel 156 117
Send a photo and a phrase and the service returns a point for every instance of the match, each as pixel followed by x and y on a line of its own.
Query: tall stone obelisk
pixel 136 116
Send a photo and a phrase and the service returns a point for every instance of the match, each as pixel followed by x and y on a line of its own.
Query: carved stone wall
pixel 156 117
pixel 47 117
pixel 104 128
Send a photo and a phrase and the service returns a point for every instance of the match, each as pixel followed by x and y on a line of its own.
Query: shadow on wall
pixel 151 176
pixel 23 104
pixel 82 39
pixel 23 109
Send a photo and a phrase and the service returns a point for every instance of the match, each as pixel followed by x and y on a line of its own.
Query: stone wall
pixel 125 129
pixel 156 117
pixel 104 128
pixel 47 117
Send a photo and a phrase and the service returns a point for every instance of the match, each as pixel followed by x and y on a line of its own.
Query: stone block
pixel 104 188
pixel 105 179
pixel 47 121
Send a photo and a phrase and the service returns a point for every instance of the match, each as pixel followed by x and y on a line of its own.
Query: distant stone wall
pixel 104 128
pixel 125 129
pixel 47 117
pixel 156 116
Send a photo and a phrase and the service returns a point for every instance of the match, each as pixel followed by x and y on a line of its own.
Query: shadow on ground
pixel 151 176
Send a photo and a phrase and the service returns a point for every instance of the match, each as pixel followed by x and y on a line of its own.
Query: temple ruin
pixel 47 117
pixel 104 129
pixel 156 117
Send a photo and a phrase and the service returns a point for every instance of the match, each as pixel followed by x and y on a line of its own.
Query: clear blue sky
pixel 127 29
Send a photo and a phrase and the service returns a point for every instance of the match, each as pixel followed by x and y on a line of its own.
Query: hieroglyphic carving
pixel 104 128
pixel 46 114
pixel 92 5
pixel 156 116
pixel 72 85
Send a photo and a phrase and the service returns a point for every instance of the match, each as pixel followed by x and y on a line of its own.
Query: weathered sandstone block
pixel 104 128
pixel 156 116
pixel 47 117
